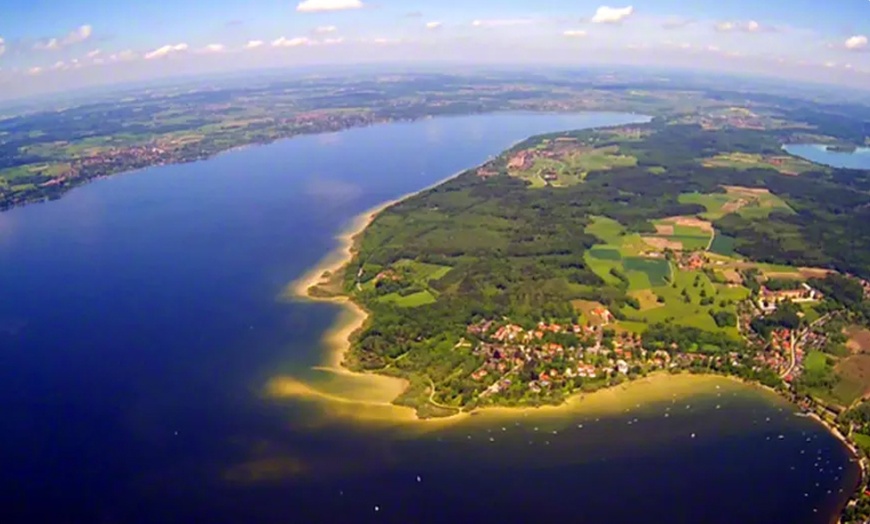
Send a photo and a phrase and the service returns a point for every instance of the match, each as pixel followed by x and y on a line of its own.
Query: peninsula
pixel 583 260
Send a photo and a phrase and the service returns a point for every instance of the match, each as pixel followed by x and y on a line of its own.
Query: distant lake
pixel 819 153
pixel 141 318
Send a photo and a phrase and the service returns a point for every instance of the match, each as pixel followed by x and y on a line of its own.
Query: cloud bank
pixel 76 36
pixel 291 42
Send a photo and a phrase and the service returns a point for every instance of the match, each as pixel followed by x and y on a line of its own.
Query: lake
pixel 142 318
pixel 819 153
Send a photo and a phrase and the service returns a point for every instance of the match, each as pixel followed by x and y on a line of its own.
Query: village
pixel 595 354
pixel 103 160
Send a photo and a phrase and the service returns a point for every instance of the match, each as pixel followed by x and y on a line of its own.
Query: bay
pixel 820 154
pixel 142 317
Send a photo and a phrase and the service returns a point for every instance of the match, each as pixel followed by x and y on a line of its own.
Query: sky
pixel 59 45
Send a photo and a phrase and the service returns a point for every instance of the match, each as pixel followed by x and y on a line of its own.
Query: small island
pixel 582 260
pixel 848 148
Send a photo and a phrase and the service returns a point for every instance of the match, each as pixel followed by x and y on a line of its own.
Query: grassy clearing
pixel 602 267
pixel 747 202
pixel 632 327
pixel 414 300
pixel 420 271
pixel 655 271
pixel 862 440
pixel 723 245
pixel 608 230
pixel 785 164
pixel 605 253
pixel 815 361
pixel 681 233
pixel 647 299
pixel 685 309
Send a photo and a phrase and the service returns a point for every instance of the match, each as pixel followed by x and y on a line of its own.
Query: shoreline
pixel 338 341
pixel 338 337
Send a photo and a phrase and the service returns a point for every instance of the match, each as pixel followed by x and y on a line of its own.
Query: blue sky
pixel 55 45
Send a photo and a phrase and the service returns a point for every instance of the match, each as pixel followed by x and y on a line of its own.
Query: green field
pixel 723 245
pixel 815 361
pixel 742 161
pixel 605 253
pixel 608 230
pixel 655 272
pixel 862 440
pixel 420 271
pixel 414 300
pixel 602 267
pixel 745 203
pixel 691 314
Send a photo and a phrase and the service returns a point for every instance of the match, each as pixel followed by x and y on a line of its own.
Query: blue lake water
pixel 819 153
pixel 141 318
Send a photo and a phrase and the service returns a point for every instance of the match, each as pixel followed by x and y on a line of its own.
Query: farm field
pixel 785 164
pixel 681 303
pixel 420 298
pixel 681 234
pixel 413 277
pixel 746 202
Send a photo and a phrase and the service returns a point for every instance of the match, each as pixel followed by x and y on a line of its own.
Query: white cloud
pixel 333 41
pixel 433 25
pixel 34 71
pixel 292 42
pixel 325 29
pixel 830 65
pixel 386 41
pixel 254 44
pixel 612 15
pixel 750 26
pixel 214 48
pixel 78 35
pixel 575 33
pixel 856 43
pixel 59 65
pixel 166 51
pixel 506 22
pixel 315 6
pixel 93 54
pixel 2 46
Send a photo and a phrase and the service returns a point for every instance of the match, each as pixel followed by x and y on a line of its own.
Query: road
pixel 796 342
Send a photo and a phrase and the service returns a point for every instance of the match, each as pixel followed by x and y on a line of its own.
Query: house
pixel 770 299
pixel 622 366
